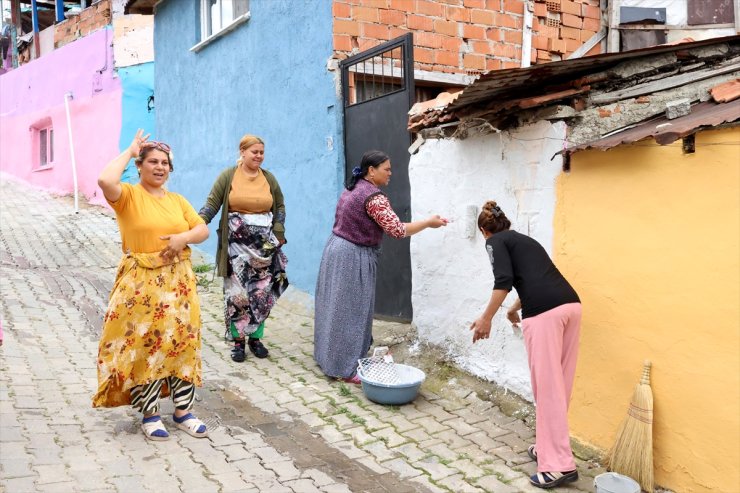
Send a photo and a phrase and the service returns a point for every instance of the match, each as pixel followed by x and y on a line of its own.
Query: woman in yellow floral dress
pixel 150 345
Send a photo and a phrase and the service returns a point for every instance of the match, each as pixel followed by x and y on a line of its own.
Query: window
pixel 219 15
pixel 42 144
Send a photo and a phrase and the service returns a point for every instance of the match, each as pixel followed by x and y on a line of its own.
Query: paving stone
pixel 492 483
pixel 434 468
pixel 402 468
pixel 285 470
pixel 458 484
pixel 302 486
pixel 20 485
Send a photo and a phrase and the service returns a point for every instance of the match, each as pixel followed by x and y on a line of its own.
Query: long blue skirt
pixel 345 302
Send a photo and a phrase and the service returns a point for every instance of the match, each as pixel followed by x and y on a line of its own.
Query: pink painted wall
pixel 35 92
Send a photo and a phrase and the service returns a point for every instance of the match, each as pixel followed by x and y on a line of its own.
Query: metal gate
pixel 378 91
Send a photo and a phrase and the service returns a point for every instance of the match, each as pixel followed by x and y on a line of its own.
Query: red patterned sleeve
pixel 382 213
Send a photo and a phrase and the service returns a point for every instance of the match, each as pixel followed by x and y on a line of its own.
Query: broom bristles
pixel 632 453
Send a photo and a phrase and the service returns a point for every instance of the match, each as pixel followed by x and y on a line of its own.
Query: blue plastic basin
pixel 395 394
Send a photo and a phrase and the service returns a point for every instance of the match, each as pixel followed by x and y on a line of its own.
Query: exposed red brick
pixel 392 17
pixel 570 33
pixel 504 50
pixel 423 55
pixel 484 17
pixel 493 64
pixel 493 4
pixel 570 7
pixel 586 35
pixel 556 45
pixel 474 61
pixel 405 5
pixel 506 64
pixel 450 28
pixel 481 47
pixel 514 37
pixel 378 4
pixel 458 14
pixel 514 6
pixel 726 92
pixel 451 44
pixel 366 14
pixel 342 42
pixel 419 22
pixel 540 10
pixel 539 42
pixel 591 24
pixel 376 31
pixel 396 32
pixel 447 57
pixel 549 32
pixel 429 40
pixel 507 20
pixel 473 32
pixel 477 4
pixel 543 55
pixel 590 12
pixel 494 34
pixel 346 27
pixel 427 7
pixel 340 10
pixel 571 21
pixel 572 44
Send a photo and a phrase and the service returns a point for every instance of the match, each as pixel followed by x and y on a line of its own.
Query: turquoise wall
pixel 268 77
pixel 137 84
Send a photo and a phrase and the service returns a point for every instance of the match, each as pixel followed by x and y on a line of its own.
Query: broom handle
pixel 646 372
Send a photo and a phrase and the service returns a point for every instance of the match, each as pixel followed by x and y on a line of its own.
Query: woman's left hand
pixel 175 244
pixel 481 329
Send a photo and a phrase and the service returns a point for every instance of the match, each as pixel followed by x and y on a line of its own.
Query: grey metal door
pixel 378 91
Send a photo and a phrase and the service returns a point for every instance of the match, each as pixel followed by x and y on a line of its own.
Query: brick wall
pixel 466 36
pixel 77 26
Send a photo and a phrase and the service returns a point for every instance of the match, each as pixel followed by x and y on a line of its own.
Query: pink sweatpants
pixel 551 339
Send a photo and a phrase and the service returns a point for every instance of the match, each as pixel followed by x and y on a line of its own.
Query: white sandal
pixel 191 425
pixel 154 429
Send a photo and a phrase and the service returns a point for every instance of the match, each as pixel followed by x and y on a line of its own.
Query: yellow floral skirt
pixel 151 329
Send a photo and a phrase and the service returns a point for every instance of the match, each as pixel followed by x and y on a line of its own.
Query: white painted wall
pixel 452 277
pixel 133 39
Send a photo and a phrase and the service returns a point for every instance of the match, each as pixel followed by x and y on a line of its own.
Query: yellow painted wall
pixel 650 238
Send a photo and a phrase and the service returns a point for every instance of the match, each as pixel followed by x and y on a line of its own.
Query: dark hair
pixel 370 158
pixel 492 218
pixel 159 146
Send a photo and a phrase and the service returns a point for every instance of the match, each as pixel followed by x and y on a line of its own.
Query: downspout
pixel 15 21
pixel 67 97
pixel 59 10
pixel 527 34
pixel 35 19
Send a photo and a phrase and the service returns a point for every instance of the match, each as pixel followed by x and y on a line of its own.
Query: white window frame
pixel 204 17
pixel 45 129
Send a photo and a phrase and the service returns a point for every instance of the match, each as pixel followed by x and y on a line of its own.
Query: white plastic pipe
pixel 67 98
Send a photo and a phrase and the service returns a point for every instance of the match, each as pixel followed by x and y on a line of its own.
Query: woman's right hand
pixel 135 148
pixel 436 221
pixel 513 315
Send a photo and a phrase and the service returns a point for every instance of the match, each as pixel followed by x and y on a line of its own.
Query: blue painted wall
pixel 137 84
pixel 268 77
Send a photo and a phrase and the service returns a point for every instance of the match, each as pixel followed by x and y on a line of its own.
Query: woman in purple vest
pixel 345 290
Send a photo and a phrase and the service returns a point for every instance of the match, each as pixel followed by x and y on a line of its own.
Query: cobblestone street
pixel 276 425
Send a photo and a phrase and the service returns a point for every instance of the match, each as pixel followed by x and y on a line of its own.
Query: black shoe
pixel 237 352
pixel 257 348
pixel 549 480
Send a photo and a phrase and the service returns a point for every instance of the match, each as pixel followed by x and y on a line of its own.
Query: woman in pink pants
pixel 551 313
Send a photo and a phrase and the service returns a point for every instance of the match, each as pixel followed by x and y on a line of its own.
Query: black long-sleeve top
pixel 519 261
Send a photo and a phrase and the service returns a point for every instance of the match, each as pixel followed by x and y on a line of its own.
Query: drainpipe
pixel 35 19
pixel 15 21
pixel 527 34
pixel 59 9
pixel 67 97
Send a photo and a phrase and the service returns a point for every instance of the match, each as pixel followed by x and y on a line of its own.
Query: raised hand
pixel 436 221
pixel 135 148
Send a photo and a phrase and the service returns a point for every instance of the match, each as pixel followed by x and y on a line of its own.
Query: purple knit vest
pixel 352 221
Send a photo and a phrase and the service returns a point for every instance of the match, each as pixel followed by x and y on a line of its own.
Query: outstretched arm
pixel 482 326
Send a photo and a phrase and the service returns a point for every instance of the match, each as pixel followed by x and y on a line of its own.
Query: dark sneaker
pixel 257 348
pixel 238 353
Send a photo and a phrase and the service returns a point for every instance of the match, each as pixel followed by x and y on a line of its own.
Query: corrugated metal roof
pixel 502 85
pixel 665 131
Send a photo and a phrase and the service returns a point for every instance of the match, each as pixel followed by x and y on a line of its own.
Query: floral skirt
pixel 151 328
pixel 257 275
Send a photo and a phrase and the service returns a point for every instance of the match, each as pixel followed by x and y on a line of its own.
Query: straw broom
pixel 632 453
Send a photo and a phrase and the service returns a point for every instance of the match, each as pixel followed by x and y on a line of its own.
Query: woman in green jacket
pixel 250 236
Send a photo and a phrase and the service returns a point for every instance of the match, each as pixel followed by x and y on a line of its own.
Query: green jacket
pixel 219 199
